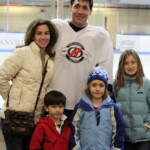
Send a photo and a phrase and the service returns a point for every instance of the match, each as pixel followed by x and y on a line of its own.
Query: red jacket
pixel 45 133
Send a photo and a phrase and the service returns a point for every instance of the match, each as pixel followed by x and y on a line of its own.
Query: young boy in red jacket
pixel 53 131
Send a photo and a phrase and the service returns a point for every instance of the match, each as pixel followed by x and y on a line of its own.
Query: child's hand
pixel 146 127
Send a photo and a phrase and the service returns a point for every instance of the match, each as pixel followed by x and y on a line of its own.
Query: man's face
pixel 80 12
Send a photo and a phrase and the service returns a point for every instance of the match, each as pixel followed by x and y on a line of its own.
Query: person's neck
pixel 97 102
pixel 42 52
pixel 57 121
pixel 74 27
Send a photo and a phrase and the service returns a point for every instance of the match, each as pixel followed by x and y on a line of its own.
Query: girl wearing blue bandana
pixel 97 122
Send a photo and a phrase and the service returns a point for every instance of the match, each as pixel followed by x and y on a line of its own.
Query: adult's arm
pixel 8 70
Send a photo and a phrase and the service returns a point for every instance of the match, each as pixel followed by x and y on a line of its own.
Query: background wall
pixel 117 16
pixel 115 20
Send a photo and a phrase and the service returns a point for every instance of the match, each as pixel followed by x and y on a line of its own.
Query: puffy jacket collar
pixel 47 119
pixel 86 104
pixel 36 49
pixel 128 79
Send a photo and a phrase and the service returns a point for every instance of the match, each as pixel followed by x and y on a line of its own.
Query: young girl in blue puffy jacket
pixel 97 122
pixel 132 92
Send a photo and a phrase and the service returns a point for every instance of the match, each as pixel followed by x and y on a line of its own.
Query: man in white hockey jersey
pixel 79 48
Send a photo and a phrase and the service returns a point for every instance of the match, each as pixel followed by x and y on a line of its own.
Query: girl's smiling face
pixel 130 66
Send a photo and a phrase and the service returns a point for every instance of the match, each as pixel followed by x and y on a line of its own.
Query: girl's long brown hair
pixel 121 76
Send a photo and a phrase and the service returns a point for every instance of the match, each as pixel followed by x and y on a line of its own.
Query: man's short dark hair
pixel 90 3
pixel 54 98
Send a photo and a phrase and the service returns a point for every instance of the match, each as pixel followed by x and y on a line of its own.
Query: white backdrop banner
pixel 137 42
pixel 9 40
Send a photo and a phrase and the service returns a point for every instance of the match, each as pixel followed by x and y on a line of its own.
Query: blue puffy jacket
pixel 134 103
pixel 97 133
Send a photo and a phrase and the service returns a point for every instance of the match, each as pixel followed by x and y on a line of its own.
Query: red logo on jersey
pixel 75 52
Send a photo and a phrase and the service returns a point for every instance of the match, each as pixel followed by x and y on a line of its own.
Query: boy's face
pixel 80 12
pixel 55 112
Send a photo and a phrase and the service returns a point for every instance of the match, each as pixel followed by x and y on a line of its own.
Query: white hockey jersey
pixel 76 54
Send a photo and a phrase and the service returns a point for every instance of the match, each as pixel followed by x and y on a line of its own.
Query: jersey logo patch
pixel 75 52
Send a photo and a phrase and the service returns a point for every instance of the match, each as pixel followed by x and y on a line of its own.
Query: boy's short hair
pixel 54 98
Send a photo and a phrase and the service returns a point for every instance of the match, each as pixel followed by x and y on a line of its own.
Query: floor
pixel 2 144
